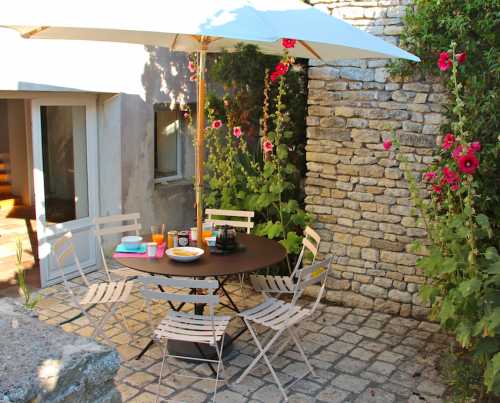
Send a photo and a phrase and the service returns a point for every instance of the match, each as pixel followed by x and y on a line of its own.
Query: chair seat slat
pixel 110 290
pixel 90 294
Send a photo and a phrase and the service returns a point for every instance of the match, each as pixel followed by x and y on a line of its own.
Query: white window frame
pixel 179 175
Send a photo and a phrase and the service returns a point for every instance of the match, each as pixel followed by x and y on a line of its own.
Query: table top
pixel 258 253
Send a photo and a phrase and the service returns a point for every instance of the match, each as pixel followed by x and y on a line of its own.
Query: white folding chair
pixel 114 225
pixel 278 285
pixel 280 317
pixel 112 295
pixel 189 327
pixel 245 222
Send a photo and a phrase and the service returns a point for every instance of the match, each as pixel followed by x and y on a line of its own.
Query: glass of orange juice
pixel 158 233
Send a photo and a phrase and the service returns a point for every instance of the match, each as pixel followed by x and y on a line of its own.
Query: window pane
pixel 167 137
pixel 64 150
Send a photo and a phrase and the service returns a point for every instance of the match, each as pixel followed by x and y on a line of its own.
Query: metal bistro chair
pixel 281 317
pixel 278 285
pixel 112 295
pixel 247 224
pixel 189 327
pixel 114 225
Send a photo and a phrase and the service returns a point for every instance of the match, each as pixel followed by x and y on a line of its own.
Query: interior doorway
pixel 17 209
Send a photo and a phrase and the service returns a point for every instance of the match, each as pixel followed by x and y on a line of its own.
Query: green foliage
pixel 462 259
pixel 29 302
pixel 240 173
pixel 430 26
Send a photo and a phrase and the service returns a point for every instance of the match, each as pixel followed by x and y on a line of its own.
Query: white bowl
pixel 132 242
pixel 184 253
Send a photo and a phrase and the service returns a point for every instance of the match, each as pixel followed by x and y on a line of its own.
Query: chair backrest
pixel 63 249
pixel 118 224
pixel 310 243
pixel 151 292
pixel 316 273
pixel 245 222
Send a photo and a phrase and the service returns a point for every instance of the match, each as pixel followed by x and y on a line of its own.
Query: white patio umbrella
pixel 199 26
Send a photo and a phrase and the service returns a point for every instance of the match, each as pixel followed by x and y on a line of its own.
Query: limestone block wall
pixel 354 188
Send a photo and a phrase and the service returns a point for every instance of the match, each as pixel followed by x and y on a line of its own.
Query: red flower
pixel 448 141
pixel 186 115
pixel 191 67
pixel 281 68
pixel 216 124
pixel 444 61
pixel 267 146
pixel 468 163
pixel 436 188
pixel 430 176
pixel 288 43
pixel 387 144
pixel 192 78
pixel 455 186
pixel 274 76
pixel 475 146
pixel 450 175
pixel 237 132
pixel 461 57
pixel 457 152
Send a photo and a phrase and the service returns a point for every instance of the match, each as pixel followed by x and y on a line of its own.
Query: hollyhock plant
pixel 475 146
pixel 457 152
pixel 430 176
pixel 444 61
pixel 450 175
pixel 237 132
pixel 288 43
pixel 387 144
pixel 468 163
pixel 281 68
pixel 455 186
pixel 448 141
pixel 461 57
pixel 216 124
pixel 191 67
pixel 267 146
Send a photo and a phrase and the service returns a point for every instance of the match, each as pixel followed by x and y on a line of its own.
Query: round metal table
pixel 257 253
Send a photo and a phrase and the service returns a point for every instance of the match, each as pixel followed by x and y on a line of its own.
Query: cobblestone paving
pixel 360 357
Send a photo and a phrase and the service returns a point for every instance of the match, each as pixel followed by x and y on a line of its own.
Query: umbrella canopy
pixel 200 26
pixel 179 24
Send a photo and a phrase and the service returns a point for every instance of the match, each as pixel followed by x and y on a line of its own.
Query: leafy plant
pixel 254 169
pixel 462 259
pixel 28 301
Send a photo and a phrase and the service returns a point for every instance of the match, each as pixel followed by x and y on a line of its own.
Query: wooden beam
pixel 310 49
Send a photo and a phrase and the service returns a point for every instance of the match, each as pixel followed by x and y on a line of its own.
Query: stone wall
pixel 354 188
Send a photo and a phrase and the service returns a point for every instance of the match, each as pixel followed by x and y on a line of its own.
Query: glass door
pixel 65 178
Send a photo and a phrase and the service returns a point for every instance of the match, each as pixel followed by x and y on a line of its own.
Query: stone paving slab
pixel 359 356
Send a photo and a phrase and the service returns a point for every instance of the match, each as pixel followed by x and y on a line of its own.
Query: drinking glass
pixel 158 233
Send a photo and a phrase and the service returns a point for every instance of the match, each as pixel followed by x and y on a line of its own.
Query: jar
pixel 172 239
pixel 194 236
pixel 151 249
pixel 183 238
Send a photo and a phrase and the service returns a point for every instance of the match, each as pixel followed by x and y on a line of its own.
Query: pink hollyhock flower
pixel 468 163
pixel 267 146
pixel 444 61
pixel 430 176
pixel 455 186
pixel 436 188
pixel 448 141
pixel 281 68
pixel 387 144
pixel 461 57
pixel 288 43
pixel 450 175
pixel 274 76
pixel 475 146
pixel 237 132
pixel 457 152
pixel 216 124
pixel 191 67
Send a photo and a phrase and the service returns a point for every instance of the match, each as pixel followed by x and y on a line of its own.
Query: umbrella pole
pixel 200 141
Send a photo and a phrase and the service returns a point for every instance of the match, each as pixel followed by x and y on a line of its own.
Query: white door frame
pixel 48 233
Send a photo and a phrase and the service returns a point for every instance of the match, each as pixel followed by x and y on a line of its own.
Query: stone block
pixel 370 254
pixel 374 291
pixel 385 306
pixel 353 299
pixel 400 296
pixel 357 74
pixel 43 363
pixel 326 73
pixel 388 245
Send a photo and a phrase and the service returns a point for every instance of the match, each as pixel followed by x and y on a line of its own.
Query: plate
pixel 184 253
